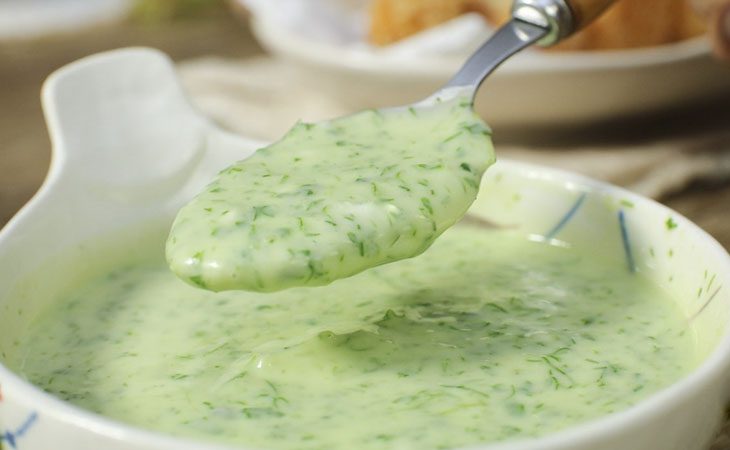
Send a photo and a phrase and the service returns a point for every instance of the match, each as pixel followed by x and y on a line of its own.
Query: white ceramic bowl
pixel 532 88
pixel 128 149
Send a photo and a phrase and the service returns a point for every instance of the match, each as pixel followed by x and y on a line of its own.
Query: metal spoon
pixel 544 22
pixel 359 229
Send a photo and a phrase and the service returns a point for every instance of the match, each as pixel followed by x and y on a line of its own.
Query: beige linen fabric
pixel 263 97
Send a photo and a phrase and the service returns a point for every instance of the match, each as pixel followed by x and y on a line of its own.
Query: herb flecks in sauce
pixel 444 350
pixel 332 199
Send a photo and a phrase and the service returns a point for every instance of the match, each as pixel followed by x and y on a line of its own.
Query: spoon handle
pixel 505 42
pixel 561 17
pixel 544 22
pixel 585 11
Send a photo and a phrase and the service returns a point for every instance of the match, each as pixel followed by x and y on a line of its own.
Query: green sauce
pixel 485 337
pixel 332 199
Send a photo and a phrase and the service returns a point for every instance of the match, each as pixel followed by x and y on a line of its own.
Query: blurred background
pixel 637 99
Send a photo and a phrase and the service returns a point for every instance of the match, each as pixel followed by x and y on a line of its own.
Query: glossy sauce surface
pixel 485 337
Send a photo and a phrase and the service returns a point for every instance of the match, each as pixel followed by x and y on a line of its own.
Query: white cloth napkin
pixel 343 23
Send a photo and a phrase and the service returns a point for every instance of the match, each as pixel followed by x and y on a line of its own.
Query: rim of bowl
pixel 371 61
pixel 709 370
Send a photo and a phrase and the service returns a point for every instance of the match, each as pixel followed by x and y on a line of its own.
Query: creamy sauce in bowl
pixel 484 337
pixel 332 199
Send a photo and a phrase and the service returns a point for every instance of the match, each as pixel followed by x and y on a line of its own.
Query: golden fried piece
pixel 627 24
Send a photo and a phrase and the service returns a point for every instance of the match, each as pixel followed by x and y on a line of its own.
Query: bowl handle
pixel 121 125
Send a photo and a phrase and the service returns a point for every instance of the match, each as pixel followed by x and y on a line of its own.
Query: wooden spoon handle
pixel 561 17
pixel 585 11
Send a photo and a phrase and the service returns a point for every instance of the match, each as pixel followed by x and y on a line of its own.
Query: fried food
pixel 627 24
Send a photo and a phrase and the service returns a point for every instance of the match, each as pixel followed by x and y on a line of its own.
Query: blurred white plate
pixel 23 19
pixel 535 87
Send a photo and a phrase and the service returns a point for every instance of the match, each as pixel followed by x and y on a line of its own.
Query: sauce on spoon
pixel 332 199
